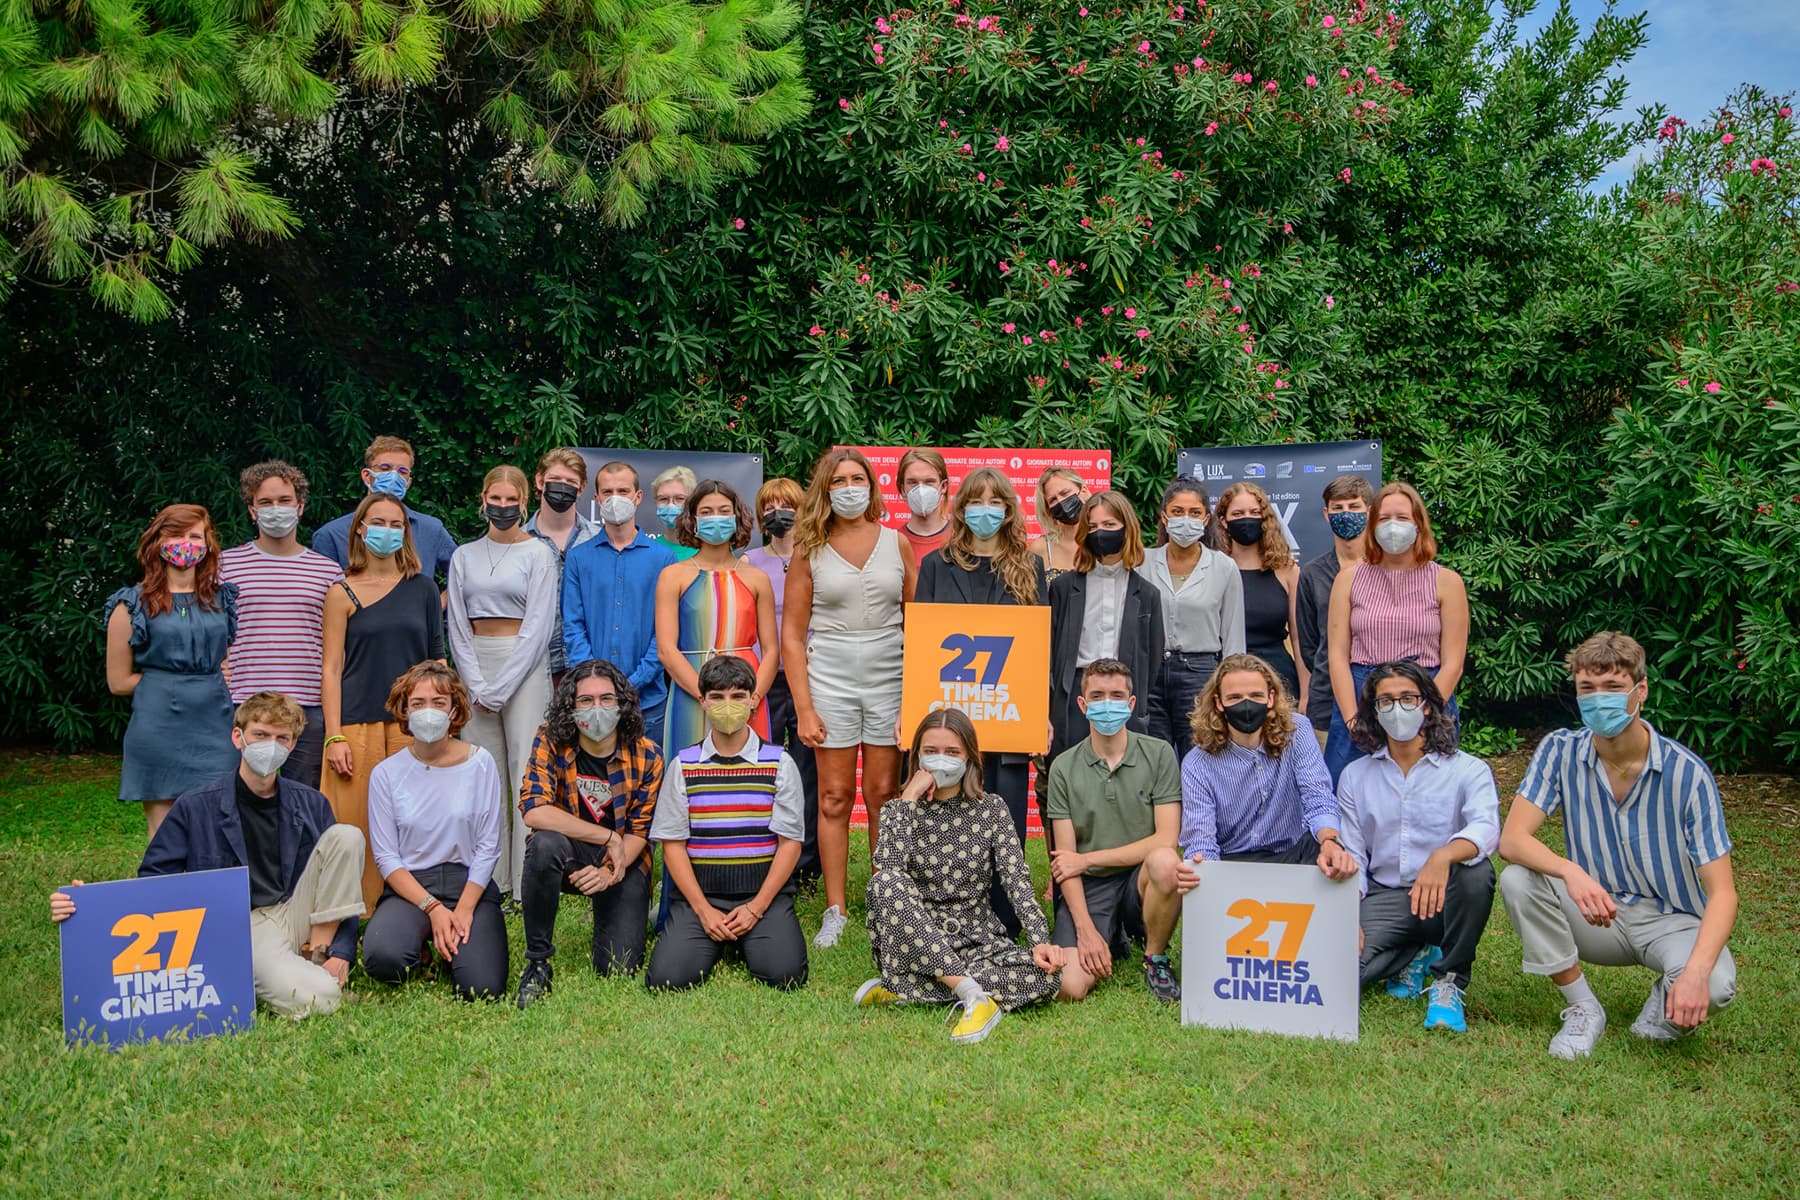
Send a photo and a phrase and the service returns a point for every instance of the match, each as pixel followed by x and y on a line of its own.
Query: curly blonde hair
pixel 1208 722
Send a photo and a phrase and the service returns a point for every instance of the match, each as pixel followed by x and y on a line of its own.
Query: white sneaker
pixel 1582 1024
pixel 1653 1022
pixel 830 928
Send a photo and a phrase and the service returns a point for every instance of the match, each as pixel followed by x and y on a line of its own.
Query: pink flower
pixel 1142 334
pixel 878 50
pixel 1078 322
pixel 843 104
pixel 738 223
pixel 1728 139
pixel 1344 174
pixel 1760 165
pixel 881 25
pixel 1287 227
pixel 1140 141
pixel 1212 128
pixel 1312 81
pixel 1083 12
pixel 1271 86
pixel 1051 264
pixel 1131 314
pixel 1086 222
pixel 943 124
pixel 1712 385
pixel 864 278
pixel 1026 340
pixel 1106 310
pixel 1343 72
pixel 1784 111
pixel 1243 329
pixel 1005 269
pixel 981 177
pixel 1001 144
pixel 1331 302
pixel 966 149
pixel 1681 383
pixel 1143 47
pixel 1008 327
pixel 1329 21
pixel 815 331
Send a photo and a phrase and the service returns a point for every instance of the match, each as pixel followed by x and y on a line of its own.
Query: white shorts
pixel 855 681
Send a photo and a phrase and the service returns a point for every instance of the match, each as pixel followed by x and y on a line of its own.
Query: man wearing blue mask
pixel 1115 813
pixel 1647 880
pixel 388 469
pixel 1347 500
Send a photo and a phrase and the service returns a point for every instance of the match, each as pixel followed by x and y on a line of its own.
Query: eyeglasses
pixel 1409 701
pixel 382 468
pixel 582 702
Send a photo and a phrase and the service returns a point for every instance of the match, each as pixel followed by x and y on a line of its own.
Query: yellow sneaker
pixel 874 994
pixel 977 1021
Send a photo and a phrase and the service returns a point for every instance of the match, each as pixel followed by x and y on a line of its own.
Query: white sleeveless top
pixel 849 600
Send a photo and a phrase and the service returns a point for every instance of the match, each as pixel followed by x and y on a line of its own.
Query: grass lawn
pixel 735 1090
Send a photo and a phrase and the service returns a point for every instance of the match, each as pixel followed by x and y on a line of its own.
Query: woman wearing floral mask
pixel 986 561
pixel 1061 493
pixel 166 639
pixel 931 927
pixel 925 486
pixel 383 619
pixel 435 836
pixel 1398 605
pixel 1202 595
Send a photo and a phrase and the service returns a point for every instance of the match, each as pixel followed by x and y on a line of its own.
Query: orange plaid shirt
pixel 635 773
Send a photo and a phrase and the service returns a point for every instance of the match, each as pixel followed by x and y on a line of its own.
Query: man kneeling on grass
pixel 730 819
pixel 1115 811
pixel 305 868
pixel 1647 880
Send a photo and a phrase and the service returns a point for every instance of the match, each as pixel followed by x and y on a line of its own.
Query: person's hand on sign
pixel 62 905
pixel 1048 958
pixel 338 969
pixel 1066 865
pixel 443 931
pixel 1428 889
pixel 1091 951
pixel 1594 901
pixel 1334 860
pixel 1187 875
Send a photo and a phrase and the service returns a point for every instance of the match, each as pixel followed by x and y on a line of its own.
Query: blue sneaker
pixel 1409 984
pixel 1445 1011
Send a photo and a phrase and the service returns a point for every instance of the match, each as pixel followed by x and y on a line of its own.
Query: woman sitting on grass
pixel 934 934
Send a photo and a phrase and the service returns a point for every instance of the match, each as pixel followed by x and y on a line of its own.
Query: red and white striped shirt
pixel 280 645
pixel 1394 615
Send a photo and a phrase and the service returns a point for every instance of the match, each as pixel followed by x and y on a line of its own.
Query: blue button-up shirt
pixel 1394 822
pixel 609 610
pixel 431 541
pixel 584 531
pixel 1648 846
pixel 1242 801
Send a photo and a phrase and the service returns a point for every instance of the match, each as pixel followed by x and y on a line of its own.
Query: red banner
pixel 1022 467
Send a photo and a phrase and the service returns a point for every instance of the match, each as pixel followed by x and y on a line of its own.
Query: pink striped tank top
pixel 1395 614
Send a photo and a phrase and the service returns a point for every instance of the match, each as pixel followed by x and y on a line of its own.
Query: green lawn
pixel 735 1090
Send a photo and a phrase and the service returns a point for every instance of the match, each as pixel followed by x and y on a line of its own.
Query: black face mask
pixel 560 496
pixel 1067 511
pixel 1246 716
pixel 1104 543
pixel 502 516
pixel 778 521
pixel 1245 531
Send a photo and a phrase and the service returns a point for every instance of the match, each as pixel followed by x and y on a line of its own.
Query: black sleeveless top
pixel 385 640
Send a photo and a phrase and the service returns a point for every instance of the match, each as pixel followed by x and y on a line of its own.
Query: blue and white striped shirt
pixel 1238 801
pixel 1651 845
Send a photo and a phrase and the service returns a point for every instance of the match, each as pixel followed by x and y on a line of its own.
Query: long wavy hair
pixel 1208 723
pixel 559 718
pixel 1181 485
pixel 1439 731
pixel 174 521
pixel 1014 562
pixel 406 559
pixel 1274 549
pixel 813 524
pixel 957 722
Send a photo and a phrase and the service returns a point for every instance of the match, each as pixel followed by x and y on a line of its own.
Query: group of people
pixel 582 694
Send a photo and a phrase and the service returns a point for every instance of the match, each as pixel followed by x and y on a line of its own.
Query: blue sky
pixel 1699 50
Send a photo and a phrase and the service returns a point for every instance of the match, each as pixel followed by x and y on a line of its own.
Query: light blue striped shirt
pixel 1648 847
pixel 1242 801
pixel 1394 822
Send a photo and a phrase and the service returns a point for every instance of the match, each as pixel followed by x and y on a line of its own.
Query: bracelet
pixel 336 737
pixel 429 903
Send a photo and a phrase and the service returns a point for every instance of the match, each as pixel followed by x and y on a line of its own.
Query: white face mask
pixel 597 722
pixel 264 758
pixel 1401 725
pixel 1395 536
pixel 428 724
pixel 924 499
pixel 617 510
pixel 1185 531
pixel 945 769
pixel 850 502
pixel 277 520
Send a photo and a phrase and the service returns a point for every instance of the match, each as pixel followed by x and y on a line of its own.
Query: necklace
pixel 493 565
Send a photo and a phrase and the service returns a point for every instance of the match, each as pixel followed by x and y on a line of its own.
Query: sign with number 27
pixel 991 661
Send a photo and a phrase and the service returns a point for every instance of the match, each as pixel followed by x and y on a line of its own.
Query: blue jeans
pixel 1340 751
pixel 1179 682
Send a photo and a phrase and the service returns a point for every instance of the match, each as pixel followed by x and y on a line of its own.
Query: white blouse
pixel 1206 614
pixel 422 816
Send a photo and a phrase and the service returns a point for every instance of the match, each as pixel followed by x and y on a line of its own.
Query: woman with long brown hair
pixel 986 560
pixel 166 638
pixel 841 639
pixel 1061 493
pixel 1247 527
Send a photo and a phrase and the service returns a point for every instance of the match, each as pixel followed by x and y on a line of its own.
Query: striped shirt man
pixel 280 643
pixel 1648 846
pixel 1243 801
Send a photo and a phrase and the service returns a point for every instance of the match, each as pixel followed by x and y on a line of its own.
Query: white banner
pixel 1270 948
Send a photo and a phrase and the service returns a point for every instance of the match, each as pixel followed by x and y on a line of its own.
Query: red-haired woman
pixel 166 638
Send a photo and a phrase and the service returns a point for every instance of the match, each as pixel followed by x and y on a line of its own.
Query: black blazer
pixel 1140 648
pixel 942 582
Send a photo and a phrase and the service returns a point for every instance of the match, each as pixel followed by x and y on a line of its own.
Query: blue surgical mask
pixel 389 483
pixel 984 520
pixel 382 541
pixel 1348 525
pixel 716 531
pixel 1606 713
pixel 1108 716
pixel 668 514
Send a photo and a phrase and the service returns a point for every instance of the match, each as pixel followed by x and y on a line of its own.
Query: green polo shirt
pixel 1112 808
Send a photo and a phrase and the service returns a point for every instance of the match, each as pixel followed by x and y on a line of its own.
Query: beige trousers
pixel 330 889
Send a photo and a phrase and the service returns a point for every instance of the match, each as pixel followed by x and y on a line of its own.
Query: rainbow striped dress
pixel 717 616
pixel 730 805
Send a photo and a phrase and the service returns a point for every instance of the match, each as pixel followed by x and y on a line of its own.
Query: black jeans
pixel 619 911
pixel 774 951
pixel 1009 777
pixel 394 942
pixel 784 731
pixel 1392 935
pixel 1178 684
pixel 306 761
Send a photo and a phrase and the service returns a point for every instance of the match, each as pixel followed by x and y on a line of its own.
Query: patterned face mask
pixel 183 552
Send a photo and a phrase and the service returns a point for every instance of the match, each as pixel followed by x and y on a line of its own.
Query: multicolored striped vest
pixel 729 807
